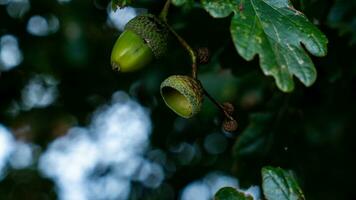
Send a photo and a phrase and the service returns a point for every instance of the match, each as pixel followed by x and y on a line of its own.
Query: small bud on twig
pixel 229 108
pixel 203 55
pixel 230 125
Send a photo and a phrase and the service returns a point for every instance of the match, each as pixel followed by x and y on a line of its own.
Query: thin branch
pixel 193 56
pixel 217 104
pixel 165 11
pixel 163 17
pixel 190 51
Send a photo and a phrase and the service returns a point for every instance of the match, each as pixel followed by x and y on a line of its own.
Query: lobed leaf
pixel 275 31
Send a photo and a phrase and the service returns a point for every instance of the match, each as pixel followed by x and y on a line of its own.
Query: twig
pixel 217 104
pixel 165 11
pixel 193 56
pixel 163 17
pixel 189 49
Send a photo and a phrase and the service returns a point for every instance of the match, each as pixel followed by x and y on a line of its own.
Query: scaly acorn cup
pixel 145 38
pixel 182 94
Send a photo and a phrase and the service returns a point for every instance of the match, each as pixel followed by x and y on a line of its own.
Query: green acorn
pixel 182 94
pixel 144 39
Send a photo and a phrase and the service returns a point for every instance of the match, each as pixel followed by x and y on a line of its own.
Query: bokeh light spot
pixel 10 53
pixel 41 26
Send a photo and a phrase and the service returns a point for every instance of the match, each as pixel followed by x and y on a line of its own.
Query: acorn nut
pixel 183 95
pixel 145 38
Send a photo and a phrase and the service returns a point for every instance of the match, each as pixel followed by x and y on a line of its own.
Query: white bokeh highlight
pixel 100 161
pixel 197 190
pixel 205 188
pixel 6 147
pixel 119 18
pixel 42 26
pixel 10 53
pixel 41 91
pixel 13 153
pixel 22 155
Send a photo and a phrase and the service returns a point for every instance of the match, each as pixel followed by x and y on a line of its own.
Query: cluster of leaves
pixel 281 36
pixel 310 131
pixel 275 31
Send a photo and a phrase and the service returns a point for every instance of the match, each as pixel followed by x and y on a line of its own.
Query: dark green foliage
pixel 254 139
pixel 310 130
pixel 343 18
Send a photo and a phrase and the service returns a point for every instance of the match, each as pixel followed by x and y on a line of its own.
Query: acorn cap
pixel 153 31
pixel 182 94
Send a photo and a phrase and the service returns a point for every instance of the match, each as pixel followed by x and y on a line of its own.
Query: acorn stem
pixel 165 10
pixel 193 56
pixel 190 50
pixel 192 53
pixel 218 105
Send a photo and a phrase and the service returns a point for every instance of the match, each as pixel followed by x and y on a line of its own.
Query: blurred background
pixel 71 128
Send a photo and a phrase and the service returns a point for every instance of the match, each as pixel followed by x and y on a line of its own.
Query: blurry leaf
pixel 279 184
pixel 179 2
pixel 213 81
pixel 185 3
pixel 120 3
pixel 229 193
pixel 275 31
pixel 253 138
pixel 342 17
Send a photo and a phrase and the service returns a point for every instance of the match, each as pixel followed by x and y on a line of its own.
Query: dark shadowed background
pixel 71 128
